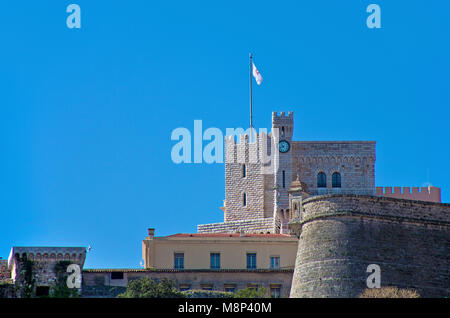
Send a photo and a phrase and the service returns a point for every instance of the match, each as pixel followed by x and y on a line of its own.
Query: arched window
pixel 321 180
pixel 244 199
pixel 244 170
pixel 336 180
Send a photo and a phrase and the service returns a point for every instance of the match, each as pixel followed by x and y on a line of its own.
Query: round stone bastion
pixel 341 235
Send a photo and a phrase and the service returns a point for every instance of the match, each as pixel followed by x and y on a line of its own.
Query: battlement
pixel 283 121
pixel 245 151
pixel 430 193
pixel 243 139
pixel 46 254
pixel 282 116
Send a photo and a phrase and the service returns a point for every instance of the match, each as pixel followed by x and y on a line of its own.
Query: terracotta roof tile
pixel 168 270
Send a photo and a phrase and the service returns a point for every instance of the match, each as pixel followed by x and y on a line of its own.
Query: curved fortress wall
pixel 340 235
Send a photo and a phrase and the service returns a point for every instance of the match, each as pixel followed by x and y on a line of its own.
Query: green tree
pixel 25 279
pixel 60 289
pixel 150 288
pixel 251 293
pixel 193 293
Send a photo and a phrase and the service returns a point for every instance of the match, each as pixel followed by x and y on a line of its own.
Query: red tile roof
pixel 169 270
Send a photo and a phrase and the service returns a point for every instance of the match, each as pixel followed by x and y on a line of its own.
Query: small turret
pixel 297 191
pixel 285 124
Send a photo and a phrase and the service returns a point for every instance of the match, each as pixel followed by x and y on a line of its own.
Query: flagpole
pixel 251 111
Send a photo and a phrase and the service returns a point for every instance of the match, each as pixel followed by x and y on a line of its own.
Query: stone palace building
pixel 307 223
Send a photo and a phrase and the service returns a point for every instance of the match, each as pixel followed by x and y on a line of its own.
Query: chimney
pixel 151 233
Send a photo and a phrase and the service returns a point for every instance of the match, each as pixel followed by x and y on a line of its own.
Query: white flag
pixel 257 75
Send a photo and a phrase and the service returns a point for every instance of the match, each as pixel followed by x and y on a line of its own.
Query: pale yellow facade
pixel 159 252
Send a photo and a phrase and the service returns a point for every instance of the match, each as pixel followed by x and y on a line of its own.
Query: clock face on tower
pixel 284 146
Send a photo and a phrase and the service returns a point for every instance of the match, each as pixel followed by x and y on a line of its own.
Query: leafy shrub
pixel 6 288
pixel 389 292
pixel 192 293
pixel 150 288
pixel 251 293
pixel 60 289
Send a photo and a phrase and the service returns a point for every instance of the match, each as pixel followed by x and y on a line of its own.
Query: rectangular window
pixel 252 286
pixel 116 275
pixel 215 260
pixel 274 262
pixel 184 287
pixel 178 260
pixel 284 179
pixel 231 288
pixel 206 286
pixel 251 260
pixel 275 291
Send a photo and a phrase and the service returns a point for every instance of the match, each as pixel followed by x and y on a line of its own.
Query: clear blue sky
pixel 86 115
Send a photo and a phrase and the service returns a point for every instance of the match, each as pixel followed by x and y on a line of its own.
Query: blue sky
pixel 86 115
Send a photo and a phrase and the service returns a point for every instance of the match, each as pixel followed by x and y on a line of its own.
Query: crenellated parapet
pixel 48 254
pixel 282 119
pixel 430 193
pixel 284 123
pixel 246 150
